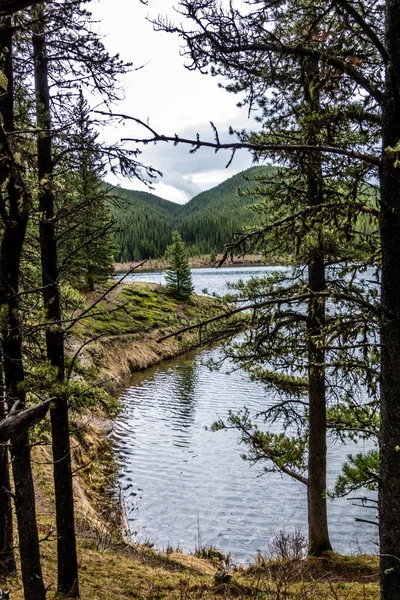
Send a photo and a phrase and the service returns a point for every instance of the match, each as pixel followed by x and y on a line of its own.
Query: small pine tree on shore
pixel 177 274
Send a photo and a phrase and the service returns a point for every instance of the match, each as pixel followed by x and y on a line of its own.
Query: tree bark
pixel 11 247
pixel 318 535
pixel 66 542
pixel 16 424
pixel 389 489
pixel 7 558
pixel 15 221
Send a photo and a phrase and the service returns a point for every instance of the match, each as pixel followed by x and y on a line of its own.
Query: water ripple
pixel 181 482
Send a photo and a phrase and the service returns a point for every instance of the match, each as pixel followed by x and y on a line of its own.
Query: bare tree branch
pixel 18 423
pixel 197 143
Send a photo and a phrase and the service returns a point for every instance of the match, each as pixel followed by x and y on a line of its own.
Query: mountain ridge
pixel 145 221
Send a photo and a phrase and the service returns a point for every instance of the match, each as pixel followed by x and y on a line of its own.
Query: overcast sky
pixel 171 98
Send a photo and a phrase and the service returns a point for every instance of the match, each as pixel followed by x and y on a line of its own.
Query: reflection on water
pixel 179 479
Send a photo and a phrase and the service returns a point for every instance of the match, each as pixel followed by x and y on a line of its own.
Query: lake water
pixel 208 278
pixel 185 486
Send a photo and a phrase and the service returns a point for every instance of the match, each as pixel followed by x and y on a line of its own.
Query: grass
pixel 139 307
pixel 126 328
pixel 122 573
pixel 110 569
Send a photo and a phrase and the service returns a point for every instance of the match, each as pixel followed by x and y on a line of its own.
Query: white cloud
pixel 173 99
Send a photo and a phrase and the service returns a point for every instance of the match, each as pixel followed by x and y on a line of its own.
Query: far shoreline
pixel 154 264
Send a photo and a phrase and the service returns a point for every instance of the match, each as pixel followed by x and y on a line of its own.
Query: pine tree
pixel 318 202
pixel 86 243
pixel 15 204
pixel 63 44
pixel 177 274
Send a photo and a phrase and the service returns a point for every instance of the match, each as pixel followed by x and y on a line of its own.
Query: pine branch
pixel 365 27
pixel 198 143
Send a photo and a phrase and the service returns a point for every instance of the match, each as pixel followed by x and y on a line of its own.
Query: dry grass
pixel 113 570
pixel 117 574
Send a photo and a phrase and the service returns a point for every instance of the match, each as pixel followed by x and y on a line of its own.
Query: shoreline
pixel 154 264
pixel 112 564
pixel 131 340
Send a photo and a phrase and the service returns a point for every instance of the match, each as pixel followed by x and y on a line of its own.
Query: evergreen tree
pixel 63 45
pixel 85 227
pixel 314 210
pixel 177 274
pixel 15 205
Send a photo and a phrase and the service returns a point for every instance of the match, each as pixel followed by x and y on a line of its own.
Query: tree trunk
pixel 318 535
pixel 7 558
pixel 15 223
pixel 11 247
pixel 66 542
pixel 389 489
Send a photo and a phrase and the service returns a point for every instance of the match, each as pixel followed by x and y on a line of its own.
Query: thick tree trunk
pixel 11 247
pixel 66 542
pixel 7 559
pixel 15 222
pixel 389 490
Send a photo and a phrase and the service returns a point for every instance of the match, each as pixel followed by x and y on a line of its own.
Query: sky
pixel 170 98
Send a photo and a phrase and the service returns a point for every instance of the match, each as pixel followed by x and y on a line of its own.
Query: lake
pixel 185 486
pixel 208 278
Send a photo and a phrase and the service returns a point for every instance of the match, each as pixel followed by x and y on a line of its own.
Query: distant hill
pixel 145 221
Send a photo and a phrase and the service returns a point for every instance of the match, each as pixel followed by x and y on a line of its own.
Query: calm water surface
pixel 209 278
pixel 181 482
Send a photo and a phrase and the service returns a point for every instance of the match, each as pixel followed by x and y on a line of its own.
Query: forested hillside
pixel 145 222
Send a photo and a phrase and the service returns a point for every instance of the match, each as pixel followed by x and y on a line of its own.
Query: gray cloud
pixel 180 167
pixel 169 157
pixel 171 97
pixel 190 173
pixel 176 180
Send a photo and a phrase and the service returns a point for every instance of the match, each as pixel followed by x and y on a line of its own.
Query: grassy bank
pixel 120 572
pixel 124 333
pixel 120 337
